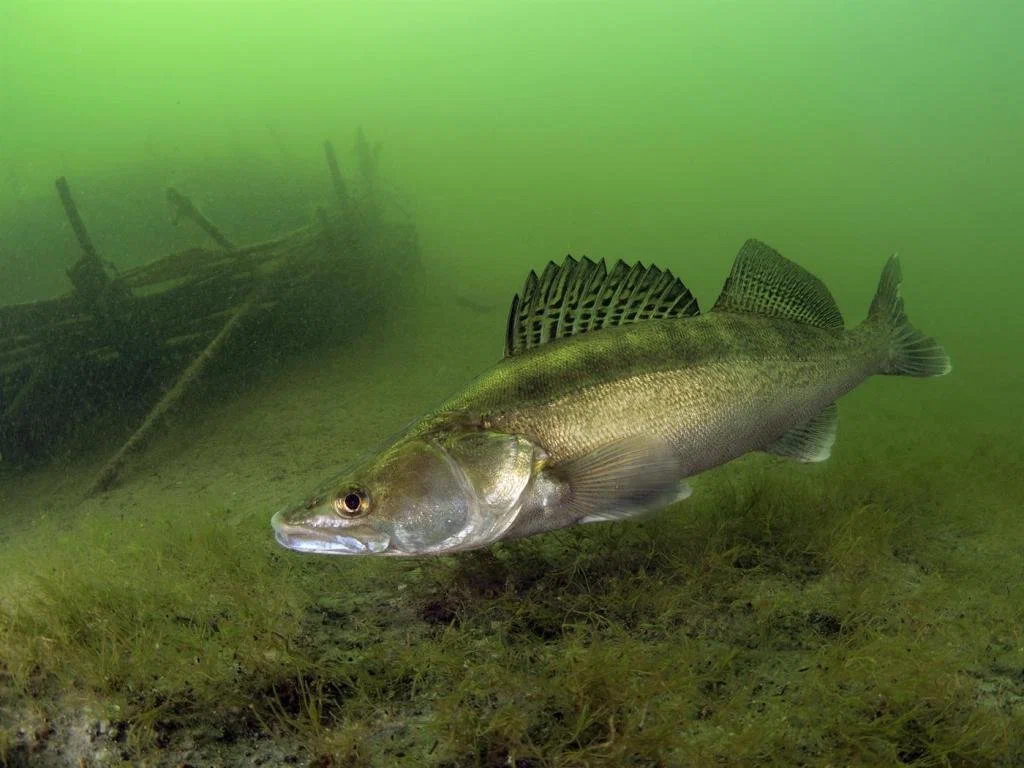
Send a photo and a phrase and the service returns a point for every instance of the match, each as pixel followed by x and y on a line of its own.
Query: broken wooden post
pixel 339 183
pixel 87 275
pixel 183 206
pixel 76 220
pixel 369 160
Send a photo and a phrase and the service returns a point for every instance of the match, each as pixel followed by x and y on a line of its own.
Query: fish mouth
pixel 302 539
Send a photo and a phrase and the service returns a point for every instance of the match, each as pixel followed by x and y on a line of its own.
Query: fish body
pixel 613 391
pixel 714 387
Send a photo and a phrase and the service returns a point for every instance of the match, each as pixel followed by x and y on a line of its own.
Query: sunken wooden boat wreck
pixel 148 333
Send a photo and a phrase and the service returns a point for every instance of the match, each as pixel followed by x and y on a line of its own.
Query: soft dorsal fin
pixel 764 282
pixel 580 296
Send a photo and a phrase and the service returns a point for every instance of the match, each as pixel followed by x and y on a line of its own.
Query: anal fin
pixel 811 441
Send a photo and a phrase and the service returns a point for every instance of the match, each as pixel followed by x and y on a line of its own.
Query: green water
pixel 838 132
pixel 513 133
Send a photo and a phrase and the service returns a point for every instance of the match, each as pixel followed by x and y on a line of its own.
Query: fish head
pixel 424 495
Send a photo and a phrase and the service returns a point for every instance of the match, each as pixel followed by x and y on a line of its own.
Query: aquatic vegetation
pixel 865 612
pixel 810 618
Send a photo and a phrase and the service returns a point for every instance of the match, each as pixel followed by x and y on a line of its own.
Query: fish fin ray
pixel 679 493
pixel 911 352
pixel 622 479
pixel 764 282
pixel 580 296
pixel 811 441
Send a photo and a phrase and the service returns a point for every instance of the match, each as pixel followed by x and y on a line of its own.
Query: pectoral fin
pixel 622 479
pixel 681 491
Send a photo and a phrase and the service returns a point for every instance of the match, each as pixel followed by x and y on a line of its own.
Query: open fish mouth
pixel 327 543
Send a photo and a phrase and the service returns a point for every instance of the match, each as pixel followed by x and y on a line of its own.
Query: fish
pixel 614 391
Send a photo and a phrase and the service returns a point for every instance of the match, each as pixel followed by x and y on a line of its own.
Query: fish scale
pixel 613 391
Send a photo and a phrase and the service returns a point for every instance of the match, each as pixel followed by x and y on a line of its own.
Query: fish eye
pixel 352 502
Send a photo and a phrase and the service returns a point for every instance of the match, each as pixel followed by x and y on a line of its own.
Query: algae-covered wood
pixel 139 330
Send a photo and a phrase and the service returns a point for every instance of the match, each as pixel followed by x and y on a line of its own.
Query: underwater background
pixel 867 611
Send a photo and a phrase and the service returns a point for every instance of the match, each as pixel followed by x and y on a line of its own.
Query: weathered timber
pixel 131 332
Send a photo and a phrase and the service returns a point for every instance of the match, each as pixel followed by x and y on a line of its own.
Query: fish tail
pixel 910 352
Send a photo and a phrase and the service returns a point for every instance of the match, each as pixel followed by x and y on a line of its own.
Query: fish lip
pixel 304 540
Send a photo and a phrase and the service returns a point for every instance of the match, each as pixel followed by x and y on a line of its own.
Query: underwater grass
pixel 782 616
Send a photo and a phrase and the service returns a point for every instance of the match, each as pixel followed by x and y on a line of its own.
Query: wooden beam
pixel 112 470
pixel 183 206
pixel 71 210
pixel 340 189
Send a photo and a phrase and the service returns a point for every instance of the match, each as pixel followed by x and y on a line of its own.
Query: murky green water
pixel 513 133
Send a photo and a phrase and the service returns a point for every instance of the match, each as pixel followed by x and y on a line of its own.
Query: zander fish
pixel 614 389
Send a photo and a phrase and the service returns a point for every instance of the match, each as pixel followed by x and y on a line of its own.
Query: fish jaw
pixel 427 494
pixel 327 542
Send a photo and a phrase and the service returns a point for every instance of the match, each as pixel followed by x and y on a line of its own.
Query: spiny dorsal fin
pixel 764 282
pixel 581 296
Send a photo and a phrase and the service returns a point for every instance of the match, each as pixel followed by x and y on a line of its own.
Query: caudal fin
pixel 911 353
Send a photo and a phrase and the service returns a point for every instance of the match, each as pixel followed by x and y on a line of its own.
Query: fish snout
pixel 305 538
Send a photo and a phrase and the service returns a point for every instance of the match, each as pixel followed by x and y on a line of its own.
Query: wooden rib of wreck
pixel 132 334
